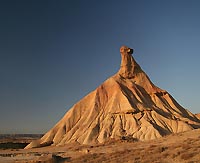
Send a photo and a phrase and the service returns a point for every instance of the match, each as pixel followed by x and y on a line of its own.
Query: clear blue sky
pixel 53 53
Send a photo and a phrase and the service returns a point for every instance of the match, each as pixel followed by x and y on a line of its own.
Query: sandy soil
pixel 176 148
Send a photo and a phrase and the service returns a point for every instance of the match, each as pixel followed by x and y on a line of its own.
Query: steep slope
pixel 127 104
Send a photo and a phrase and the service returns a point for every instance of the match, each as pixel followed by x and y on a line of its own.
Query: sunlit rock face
pixel 127 104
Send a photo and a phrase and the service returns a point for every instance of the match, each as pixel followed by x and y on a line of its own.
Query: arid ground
pixel 176 148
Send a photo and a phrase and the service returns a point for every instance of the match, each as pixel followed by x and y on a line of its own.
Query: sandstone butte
pixel 127 104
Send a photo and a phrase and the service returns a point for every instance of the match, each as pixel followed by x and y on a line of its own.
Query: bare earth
pixel 176 148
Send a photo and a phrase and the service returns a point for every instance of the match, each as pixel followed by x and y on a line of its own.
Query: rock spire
pixel 128 65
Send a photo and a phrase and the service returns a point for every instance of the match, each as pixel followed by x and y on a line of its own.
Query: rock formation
pixel 127 104
pixel 197 115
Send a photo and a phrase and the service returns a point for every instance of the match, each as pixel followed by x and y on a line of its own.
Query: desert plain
pixel 175 148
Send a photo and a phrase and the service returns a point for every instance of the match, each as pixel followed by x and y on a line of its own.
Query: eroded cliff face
pixel 127 104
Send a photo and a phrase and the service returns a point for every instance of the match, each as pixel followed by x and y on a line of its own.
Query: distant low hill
pixel 19 136
pixel 17 141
